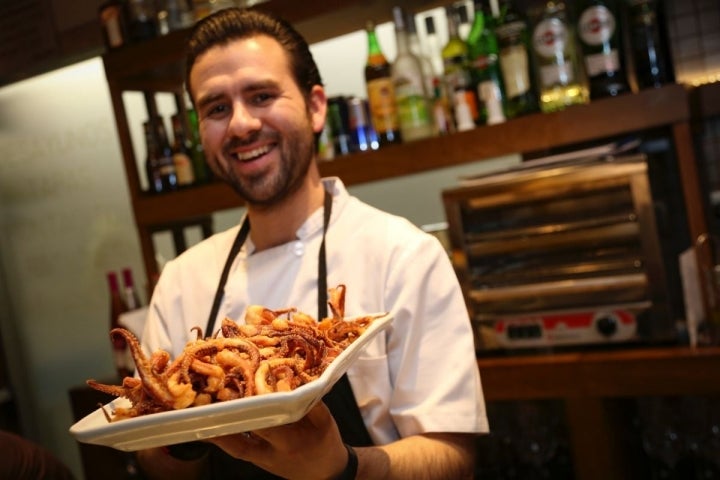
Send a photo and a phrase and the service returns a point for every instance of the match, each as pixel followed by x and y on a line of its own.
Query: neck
pixel 278 224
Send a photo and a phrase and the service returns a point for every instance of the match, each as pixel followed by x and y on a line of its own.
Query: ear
pixel 318 108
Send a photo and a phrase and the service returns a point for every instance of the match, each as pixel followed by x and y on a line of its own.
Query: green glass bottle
pixel 485 66
pixel 515 62
pixel 380 91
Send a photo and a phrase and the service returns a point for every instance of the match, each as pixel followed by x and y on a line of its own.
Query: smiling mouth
pixel 252 154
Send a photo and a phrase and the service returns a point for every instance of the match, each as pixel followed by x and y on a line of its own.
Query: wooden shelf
pixel 602 119
pixel 652 371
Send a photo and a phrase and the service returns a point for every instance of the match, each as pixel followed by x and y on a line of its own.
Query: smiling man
pixel 411 405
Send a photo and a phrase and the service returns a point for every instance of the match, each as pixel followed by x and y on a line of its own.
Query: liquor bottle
pixel 442 110
pixel 456 73
pixel 181 152
pixel 558 71
pixel 433 45
pixel 121 352
pixel 159 162
pixel 112 16
pixel 130 294
pixel 463 17
pixel 484 64
pixel 411 96
pixel 142 20
pixel 197 154
pixel 652 61
pixel 600 35
pixel 515 62
pixel 428 69
pixel 381 92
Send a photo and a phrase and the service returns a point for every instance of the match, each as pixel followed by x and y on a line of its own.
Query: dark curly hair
pixel 230 24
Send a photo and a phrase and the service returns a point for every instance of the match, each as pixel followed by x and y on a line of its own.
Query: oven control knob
pixel 606 324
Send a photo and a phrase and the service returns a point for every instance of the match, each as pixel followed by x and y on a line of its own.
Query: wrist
pixel 351 468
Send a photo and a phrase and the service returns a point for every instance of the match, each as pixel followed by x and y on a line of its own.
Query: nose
pixel 243 120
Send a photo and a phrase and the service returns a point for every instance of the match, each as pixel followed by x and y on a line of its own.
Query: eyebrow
pixel 256 86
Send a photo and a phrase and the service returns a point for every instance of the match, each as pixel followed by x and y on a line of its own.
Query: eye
pixel 216 110
pixel 262 98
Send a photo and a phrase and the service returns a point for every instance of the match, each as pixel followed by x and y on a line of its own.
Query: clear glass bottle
pixel 380 91
pixel 559 73
pixel 600 33
pixel 484 64
pixel 411 94
pixel 515 62
pixel 456 69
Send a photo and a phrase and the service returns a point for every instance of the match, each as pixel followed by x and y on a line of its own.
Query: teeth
pixel 253 153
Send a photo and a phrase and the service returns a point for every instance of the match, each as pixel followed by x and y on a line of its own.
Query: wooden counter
pixel 592 383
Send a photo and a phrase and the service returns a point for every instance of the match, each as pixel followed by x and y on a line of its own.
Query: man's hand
pixel 310 448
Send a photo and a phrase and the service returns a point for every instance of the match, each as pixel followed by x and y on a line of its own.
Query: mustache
pixel 237 142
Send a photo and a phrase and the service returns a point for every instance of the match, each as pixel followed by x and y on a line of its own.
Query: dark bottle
pixel 159 163
pixel 600 35
pixel 121 352
pixel 200 168
pixel 142 20
pixel 652 61
pixel 112 16
pixel 381 91
pixel 484 64
pixel 515 62
pixel 181 151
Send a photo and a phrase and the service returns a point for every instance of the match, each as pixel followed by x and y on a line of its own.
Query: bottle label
pixel 183 169
pixel 599 63
pixel 514 65
pixel 381 99
pixel 550 38
pixel 557 74
pixel 597 25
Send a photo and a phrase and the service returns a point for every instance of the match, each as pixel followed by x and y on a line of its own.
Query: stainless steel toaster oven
pixel 561 254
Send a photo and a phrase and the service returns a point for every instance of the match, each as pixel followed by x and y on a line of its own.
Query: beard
pixel 266 189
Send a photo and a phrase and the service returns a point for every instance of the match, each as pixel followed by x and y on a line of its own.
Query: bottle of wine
pixel 181 152
pixel 411 94
pixel 600 35
pixel 381 92
pixel 484 65
pixel 197 154
pixel 456 73
pixel 121 352
pixel 159 162
pixel 652 61
pixel 558 71
pixel 515 62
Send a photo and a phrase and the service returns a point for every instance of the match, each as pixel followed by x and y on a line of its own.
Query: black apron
pixel 340 400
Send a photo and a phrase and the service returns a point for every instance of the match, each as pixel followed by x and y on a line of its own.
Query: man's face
pixel 257 128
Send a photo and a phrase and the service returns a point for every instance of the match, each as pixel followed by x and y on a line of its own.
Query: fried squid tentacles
pixel 273 350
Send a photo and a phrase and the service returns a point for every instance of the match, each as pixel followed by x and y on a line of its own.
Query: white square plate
pixel 222 418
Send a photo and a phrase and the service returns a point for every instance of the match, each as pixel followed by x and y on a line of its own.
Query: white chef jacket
pixel 420 375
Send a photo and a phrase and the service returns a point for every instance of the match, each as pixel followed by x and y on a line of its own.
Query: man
pixel 261 106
